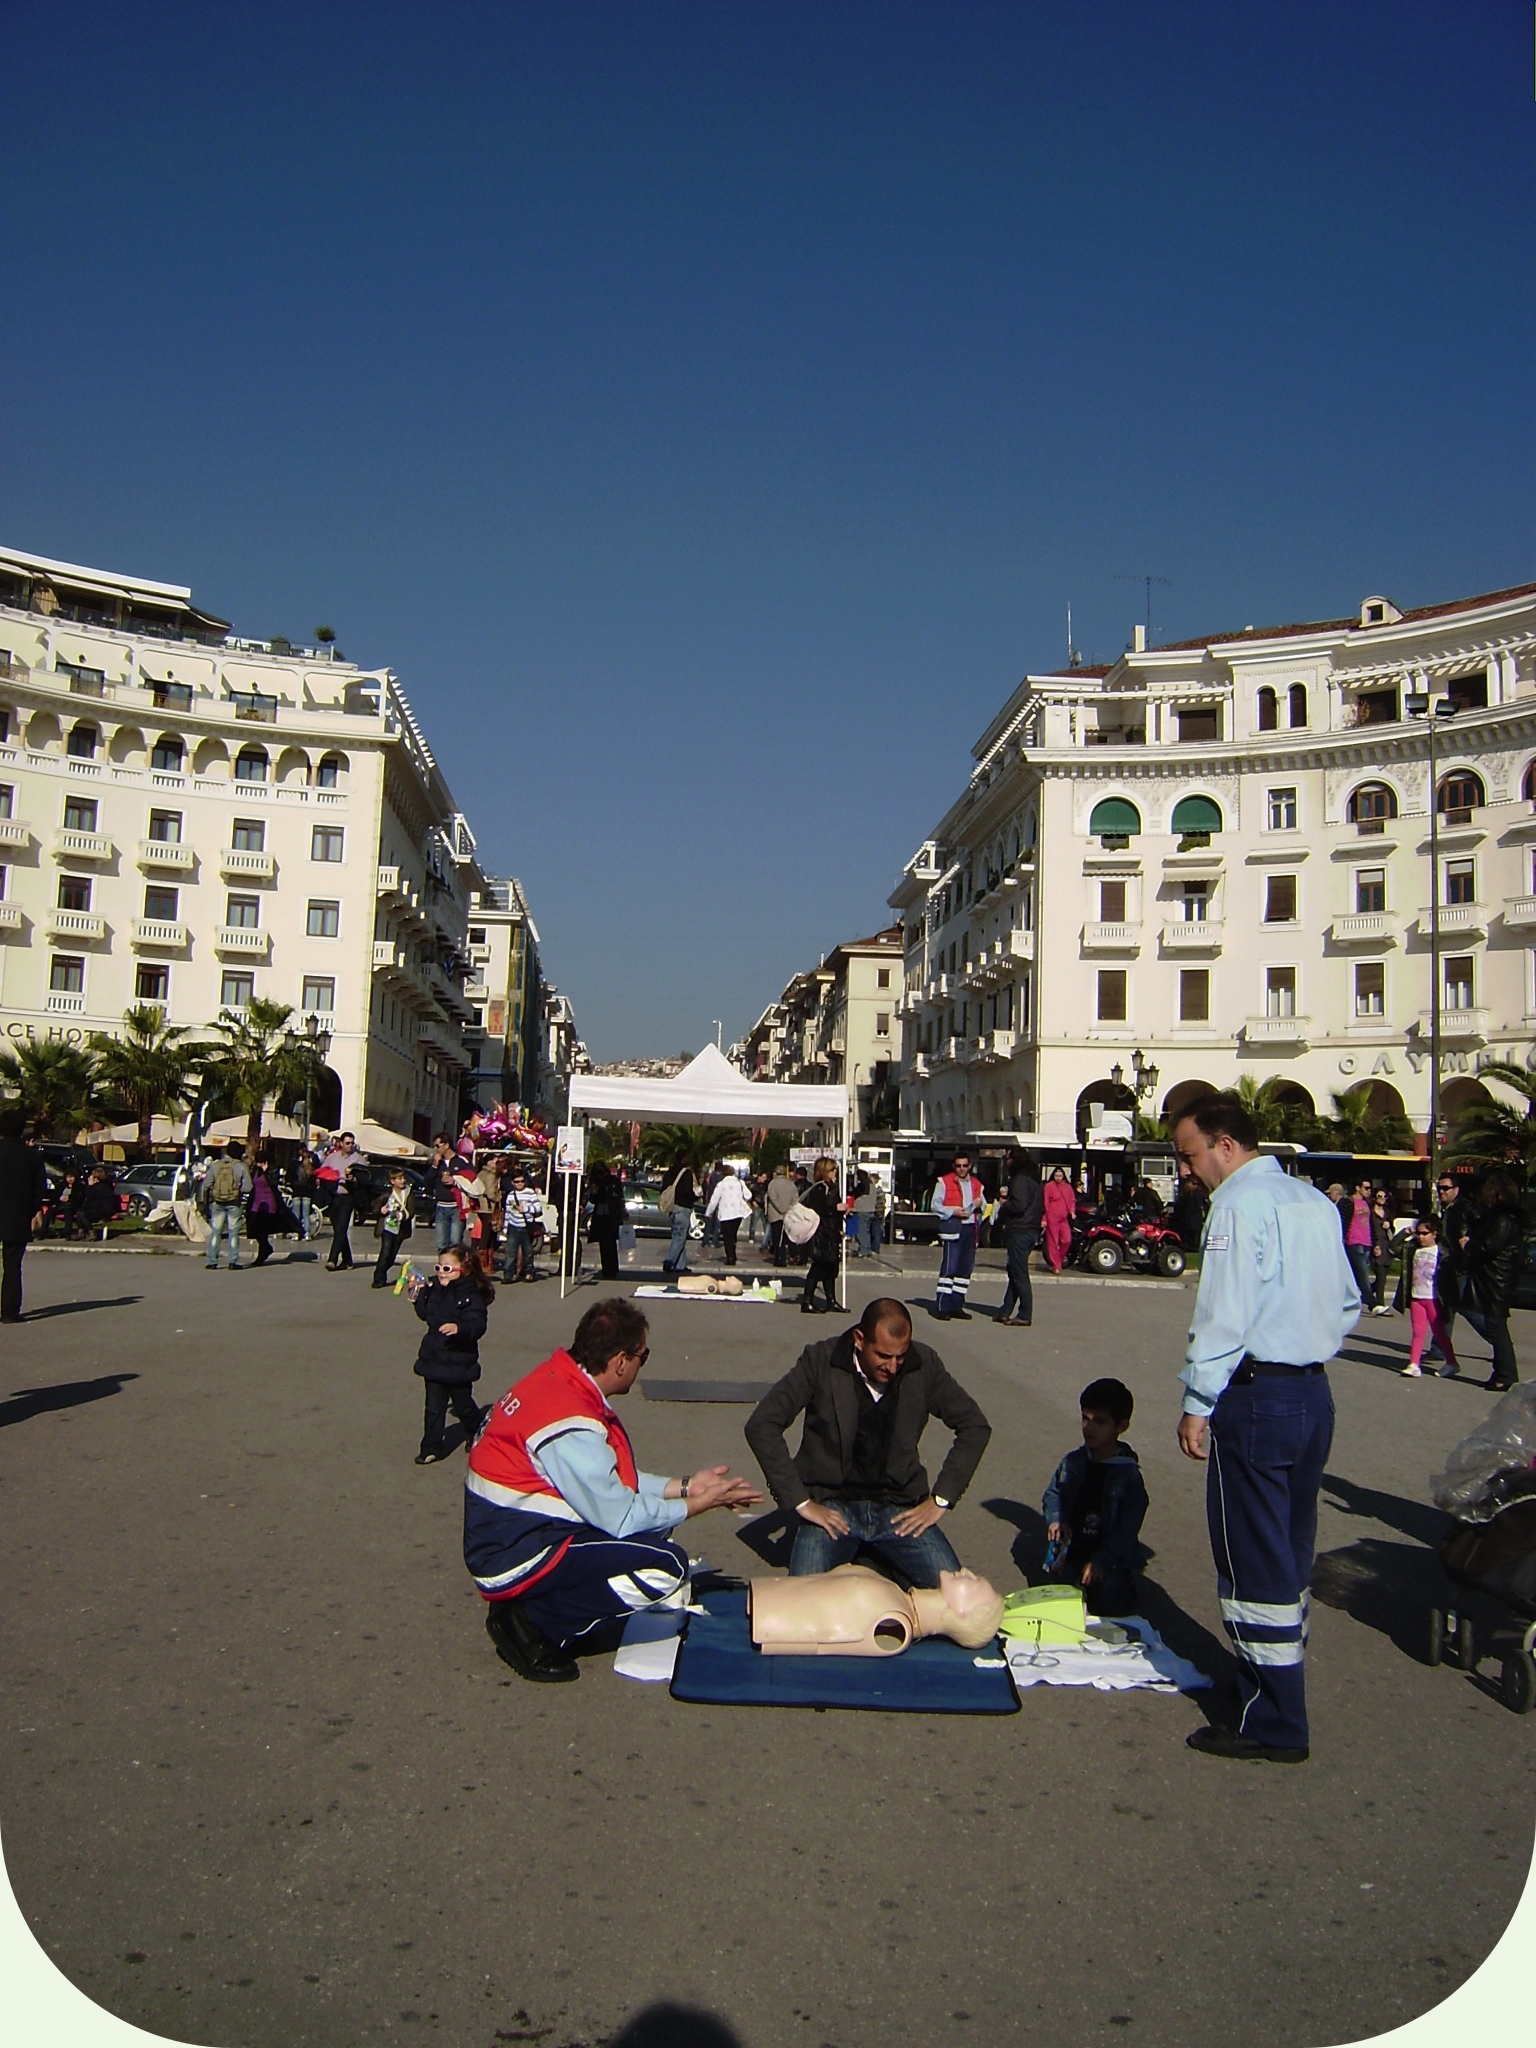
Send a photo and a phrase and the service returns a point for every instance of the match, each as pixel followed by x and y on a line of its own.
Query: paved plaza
pixel 266 1782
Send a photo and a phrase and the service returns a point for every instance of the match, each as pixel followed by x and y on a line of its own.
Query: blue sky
pixel 710 410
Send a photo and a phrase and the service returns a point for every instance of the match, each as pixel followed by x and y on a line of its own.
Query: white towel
pixel 1107 1667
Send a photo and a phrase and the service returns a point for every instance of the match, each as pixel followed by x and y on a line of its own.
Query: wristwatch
pixel 682 1487
pixel 940 1502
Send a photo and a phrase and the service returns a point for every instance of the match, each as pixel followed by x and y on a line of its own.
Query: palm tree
pixel 664 1144
pixel 1259 1099
pixel 1353 1127
pixel 148 1071
pixel 53 1083
pixel 251 1062
pixel 1494 1130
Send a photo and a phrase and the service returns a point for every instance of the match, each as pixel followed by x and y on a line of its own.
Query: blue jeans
pixel 1359 1256
pixel 225 1217
pixel 516 1252
pixel 863 1235
pixel 447 1225
pixel 677 1250
pixel 303 1208
pixel 915 1560
pixel 1019 1296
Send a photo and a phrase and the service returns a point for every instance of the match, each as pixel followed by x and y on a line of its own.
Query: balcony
pixel 1192 935
pixel 1194 860
pixel 1364 928
pixel 86 683
pixel 920 1067
pixel 390 883
pixel 948 1053
pixel 1020 945
pixel 76 924
pixel 442 1038
pixel 72 845
pixel 64 1003
pixel 387 958
pixel 171 696
pixel 10 918
pixel 166 853
pixel 1281 1031
pixel 1111 938
pixel 248 940
pixel 1520 910
pixel 1457 1027
pixel 159 931
pixel 1523 827
pixel 247 861
pixel 14 833
pixel 255 705
pixel 992 1046
pixel 1457 921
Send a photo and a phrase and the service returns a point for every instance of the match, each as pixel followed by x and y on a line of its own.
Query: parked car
pixel 147 1188
pixel 1524 1293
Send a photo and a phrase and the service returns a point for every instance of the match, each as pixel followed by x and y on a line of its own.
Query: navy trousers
pixel 1269 1443
pixel 601 1580
pixel 957 1245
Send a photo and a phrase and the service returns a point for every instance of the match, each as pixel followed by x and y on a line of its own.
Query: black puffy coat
pixel 827 1245
pixel 23 1188
pixel 452 1361
pixel 1491 1262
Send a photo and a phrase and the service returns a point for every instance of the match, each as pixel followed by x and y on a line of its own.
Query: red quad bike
pixel 1107 1244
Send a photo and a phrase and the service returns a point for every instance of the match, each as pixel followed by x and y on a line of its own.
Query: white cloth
pixel 1107 1667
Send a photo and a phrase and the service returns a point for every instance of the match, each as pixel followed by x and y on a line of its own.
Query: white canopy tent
pixel 709 1090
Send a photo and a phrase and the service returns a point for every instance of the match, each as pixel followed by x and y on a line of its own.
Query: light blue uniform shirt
pixel 1274 1281
pixel 580 1465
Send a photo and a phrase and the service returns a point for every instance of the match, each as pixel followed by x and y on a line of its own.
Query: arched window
pixel 1196 814
pixel 328 774
pixel 82 742
pixel 1459 795
pixel 168 754
pixel 1297 700
pixel 1269 710
pixel 251 764
pixel 1115 818
pixel 1013 846
pixel 1371 805
pixel 1528 787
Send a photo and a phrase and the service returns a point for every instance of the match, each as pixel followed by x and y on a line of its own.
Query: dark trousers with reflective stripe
pixel 957 1261
pixel 600 1582
pixel 1269 1443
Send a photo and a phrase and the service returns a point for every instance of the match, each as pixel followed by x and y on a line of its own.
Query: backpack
pixel 224 1183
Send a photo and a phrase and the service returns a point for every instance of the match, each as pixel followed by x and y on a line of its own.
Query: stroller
pixel 1489 1489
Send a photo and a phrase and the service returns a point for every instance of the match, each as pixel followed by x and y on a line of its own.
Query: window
pixel 1371 805
pixel 1296 699
pixel 243 913
pixel 1458 984
pixel 152 984
pixel 882 977
pixel 1197 902
pixel 477 935
pixel 325 842
pixel 167 755
pixel 1370 889
pixel 1468 693
pixel 251 765
pixel 1115 818
pixel 82 742
pixel 79 814
pixel 7 800
pixel 249 835
pixel 1199 727
pixel 1196 814
pixel 1528 785
pixel 1370 988
pixel 74 892
pixel 882 1023
pixel 1282 810
pixel 5 714
pixel 1280 992
pixel 165 827
pixel 1376 707
pixel 328 774
pixel 67 974
pixel 1269 710
pixel 1280 899
pixel 1195 995
pixel 161 904
pixel 2 885
pixel 324 921
pixel 1460 882
pixel 1112 903
pixel 319 993
pixel 1459 796
pixel 236 990
pixel 1112 995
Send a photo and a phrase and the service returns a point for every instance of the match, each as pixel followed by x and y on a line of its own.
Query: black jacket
pixel 23 1189
pixel 821 1385
pixel 1491 1261
pixel 1023 1207
pixel 826 1247
pixel 453 1361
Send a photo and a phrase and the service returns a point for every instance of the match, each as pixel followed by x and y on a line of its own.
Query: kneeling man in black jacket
pixel 857 1480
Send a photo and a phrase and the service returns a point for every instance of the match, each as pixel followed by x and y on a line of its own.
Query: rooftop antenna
pixel 1143 576
pixel 1074 659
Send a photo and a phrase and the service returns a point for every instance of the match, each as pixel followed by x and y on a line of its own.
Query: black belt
pixel 1265 1368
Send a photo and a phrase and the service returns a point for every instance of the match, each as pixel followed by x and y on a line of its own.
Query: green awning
pixel 1115 814
pixel 1196 814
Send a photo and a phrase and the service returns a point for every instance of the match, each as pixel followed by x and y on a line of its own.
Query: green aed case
pixel 1045 1614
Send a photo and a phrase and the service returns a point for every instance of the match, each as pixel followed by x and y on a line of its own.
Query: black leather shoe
pixel 529 1652
pixel 959 1315
pixel 1243 1748
pixel 1496 1386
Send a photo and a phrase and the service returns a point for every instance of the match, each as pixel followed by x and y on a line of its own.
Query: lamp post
pixel 315 1044
pixel 1419 704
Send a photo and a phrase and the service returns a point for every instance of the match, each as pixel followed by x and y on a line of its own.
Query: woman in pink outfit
pixel 1060 1208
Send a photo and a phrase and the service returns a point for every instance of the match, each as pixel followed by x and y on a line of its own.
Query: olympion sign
pixel 63 1034
pixel 1450 1062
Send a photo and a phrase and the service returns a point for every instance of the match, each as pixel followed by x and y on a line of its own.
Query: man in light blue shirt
pixel 1276 1299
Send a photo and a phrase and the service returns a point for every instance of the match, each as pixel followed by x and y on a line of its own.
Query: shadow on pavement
pixel 675 2026
pixel 1391 1587
pixel 68 1394
pixel 1415 1518
pixel 770 1537
pixel 78 1308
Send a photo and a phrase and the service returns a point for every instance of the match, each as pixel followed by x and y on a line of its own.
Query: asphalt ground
pixel 264 1781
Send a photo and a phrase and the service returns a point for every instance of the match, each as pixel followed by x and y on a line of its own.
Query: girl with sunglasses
pixel 453 1304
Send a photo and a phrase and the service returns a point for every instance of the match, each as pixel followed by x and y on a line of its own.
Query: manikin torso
pixel 856 1612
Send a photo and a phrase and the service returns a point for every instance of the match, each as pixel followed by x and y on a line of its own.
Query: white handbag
pixel 800 1223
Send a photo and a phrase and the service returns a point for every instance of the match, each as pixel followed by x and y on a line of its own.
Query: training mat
pixel 747 1392
pixel 718 1665
pixel 652 1293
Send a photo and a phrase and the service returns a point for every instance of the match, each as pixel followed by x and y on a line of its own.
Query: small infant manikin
pixel 856 1612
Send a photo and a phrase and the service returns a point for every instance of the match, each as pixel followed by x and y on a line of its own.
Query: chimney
pixel 1139 640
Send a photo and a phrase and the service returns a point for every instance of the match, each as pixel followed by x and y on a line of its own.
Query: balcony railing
pixel 1365 927
pixel 158 931
pixel 994 1045
pixel 10 918
pixel 171 696
pixel 1520 910
pixel 1192 935
pixel 61 1002
pixel 241 938
pixel 166 853
pixel 76 924
pixel 13 832
pixel 1099 937
pixel 247 860
pixel 1457 1026
pixel 83 845
pixel 1269 1030
pixel 1457 921
pixel 86 683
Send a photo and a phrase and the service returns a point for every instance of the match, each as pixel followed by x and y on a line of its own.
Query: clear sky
pixel 710 410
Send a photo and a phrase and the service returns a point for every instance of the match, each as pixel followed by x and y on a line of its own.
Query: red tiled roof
pixel 1425 611
pixel 1082 669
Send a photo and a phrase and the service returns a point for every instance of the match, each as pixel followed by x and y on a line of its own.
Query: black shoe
pixel 959 1315
pixel 429 1457
pixel 529 1652
pixel 1496 1386
pixel 380 1283
pixel 809 1308
pixel 1229 1742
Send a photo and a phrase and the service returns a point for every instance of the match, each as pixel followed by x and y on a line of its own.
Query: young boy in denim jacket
pixel 1096 1501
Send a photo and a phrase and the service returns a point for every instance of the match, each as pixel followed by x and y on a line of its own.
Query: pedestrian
pixel 730 1201
pixel 712 1180
pixel 1276 1299
pixel 779 1197
pixel 335 1164
pixel 1359 1238
pixel 454 1304
pixel 677 1201
pixel 1491 1262
pixel 1059 1206
pixel 226 1190
pixel 607 1219
pixel 1020 1213
pixel 826 1246
pixel 447 1218
pixel 864 1216
pixel 1458 1212
pixel 23 1198
pixel 958 1197
pixel 517 1236
pixel 262 1210
pixel 877 1221
pixel 1381 1251
pixel 1424 1317
pixel 351 1189
pixel 301 1186
pixel 394 1224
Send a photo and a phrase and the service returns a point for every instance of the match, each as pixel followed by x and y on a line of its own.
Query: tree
pixel 1354 1128
pixel 664 1144
pixel 1501 1132
pixel 148 1071
pixel 53 1083
pixel 249 1063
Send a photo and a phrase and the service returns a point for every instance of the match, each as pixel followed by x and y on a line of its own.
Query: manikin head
pixel 881 1341
pixel 1213 1138
pixel 961 1606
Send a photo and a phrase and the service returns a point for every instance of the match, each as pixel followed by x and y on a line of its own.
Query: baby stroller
pixel 1489 1489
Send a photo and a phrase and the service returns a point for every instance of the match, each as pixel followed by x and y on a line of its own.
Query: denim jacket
pixel 1124 1506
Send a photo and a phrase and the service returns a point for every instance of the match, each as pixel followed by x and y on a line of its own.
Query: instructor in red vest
pixel 563 1535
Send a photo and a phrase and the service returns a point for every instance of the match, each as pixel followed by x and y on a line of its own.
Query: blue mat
pixel 718 1665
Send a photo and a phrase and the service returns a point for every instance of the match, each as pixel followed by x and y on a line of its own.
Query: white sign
pixel 571 1148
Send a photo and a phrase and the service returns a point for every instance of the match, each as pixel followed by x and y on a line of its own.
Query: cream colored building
pixel 1217 855
pixel 506 989
pixel 191 819
pixel 838 1022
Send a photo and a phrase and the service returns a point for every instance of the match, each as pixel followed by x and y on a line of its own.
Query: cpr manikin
pixel 708 1283
pixel 856 1612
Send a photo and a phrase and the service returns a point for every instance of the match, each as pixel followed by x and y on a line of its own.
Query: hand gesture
pixel 916 1521
pixel 829 1519
pixel 716 1486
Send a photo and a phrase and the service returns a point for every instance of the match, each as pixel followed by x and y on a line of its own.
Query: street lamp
pixel 1419 704
pixel 1144 1074
pixel 315 1044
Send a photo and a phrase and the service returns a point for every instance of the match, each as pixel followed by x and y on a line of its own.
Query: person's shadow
pixel 675 2026
pixel 770 1537
pixel 1392 1586
pixel 30 1401
pixel 78 1308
